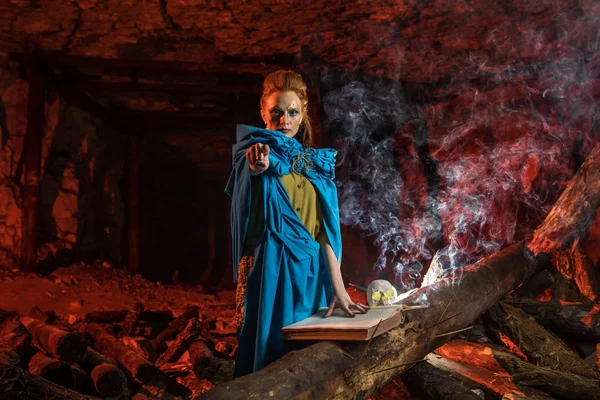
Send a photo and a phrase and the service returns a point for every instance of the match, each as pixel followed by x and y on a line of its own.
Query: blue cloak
pixel 289 280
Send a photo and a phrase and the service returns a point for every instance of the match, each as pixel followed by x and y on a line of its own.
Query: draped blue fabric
pixel 289 280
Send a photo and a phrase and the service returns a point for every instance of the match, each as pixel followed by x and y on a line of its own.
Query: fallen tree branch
pixel 318 370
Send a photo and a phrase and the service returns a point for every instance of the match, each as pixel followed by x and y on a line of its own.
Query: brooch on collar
pixel 302 163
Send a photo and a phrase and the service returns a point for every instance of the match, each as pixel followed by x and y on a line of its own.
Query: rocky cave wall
pixel 81 210
pixel 496 109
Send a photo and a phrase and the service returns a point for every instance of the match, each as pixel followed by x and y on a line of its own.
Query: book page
pixel 339 320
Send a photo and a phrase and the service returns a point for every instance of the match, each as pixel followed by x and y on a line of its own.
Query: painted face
pixel 283 112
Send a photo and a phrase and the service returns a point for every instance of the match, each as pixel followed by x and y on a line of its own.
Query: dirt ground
pixel 72 292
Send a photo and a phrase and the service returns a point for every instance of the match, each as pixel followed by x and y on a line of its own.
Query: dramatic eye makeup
pixel 276 113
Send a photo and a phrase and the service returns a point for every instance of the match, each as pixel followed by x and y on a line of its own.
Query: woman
pixel 285 225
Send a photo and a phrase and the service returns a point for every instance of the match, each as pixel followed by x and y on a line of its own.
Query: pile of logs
pixel 517 357
pixel 110 354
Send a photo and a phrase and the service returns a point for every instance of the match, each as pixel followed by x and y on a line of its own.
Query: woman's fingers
pixel 330 309
pixel 347 310
pixel 360 307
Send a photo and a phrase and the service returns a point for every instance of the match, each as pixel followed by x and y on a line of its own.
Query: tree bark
pixel 339 371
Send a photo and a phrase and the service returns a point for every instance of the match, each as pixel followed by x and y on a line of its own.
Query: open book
pixel 341 327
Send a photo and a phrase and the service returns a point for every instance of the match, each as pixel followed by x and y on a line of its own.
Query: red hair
pixel 290 81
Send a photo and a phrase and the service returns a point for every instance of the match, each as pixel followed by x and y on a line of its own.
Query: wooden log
pixel 476 362
pixel 32 156
pixel 119 316
pixel 105 317
pixel 566 289
pixel 559 383
pixel 131 319
pixel 16 383
pixel 176 369
pixel 82 382
pixel 9 356
pixel 14 335
pixel 201 356
pixel 146 392
pixel 114 349
pixel 108 379
pixel 174 328
pixel 37 313
pixel 142 346
pixel 190 333
pixel 7 315
pixel 574 212
pixel 52 369
pixel 331 370
pixel 539 345
pixel 65 346
pixel 569 320
pixel 133 202
pixel 428 382
pixel 535 286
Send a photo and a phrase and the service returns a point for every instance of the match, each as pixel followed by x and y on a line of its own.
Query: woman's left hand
pixel 342 300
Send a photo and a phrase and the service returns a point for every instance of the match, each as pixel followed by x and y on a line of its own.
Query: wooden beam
pixel 111 117
pixel 32 156
pixel 193 89
pixel 119 64
pixel 133 202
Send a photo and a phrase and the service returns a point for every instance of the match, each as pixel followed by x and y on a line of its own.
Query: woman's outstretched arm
pixel 340 297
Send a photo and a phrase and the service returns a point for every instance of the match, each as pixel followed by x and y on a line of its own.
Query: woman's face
pixel 283 112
